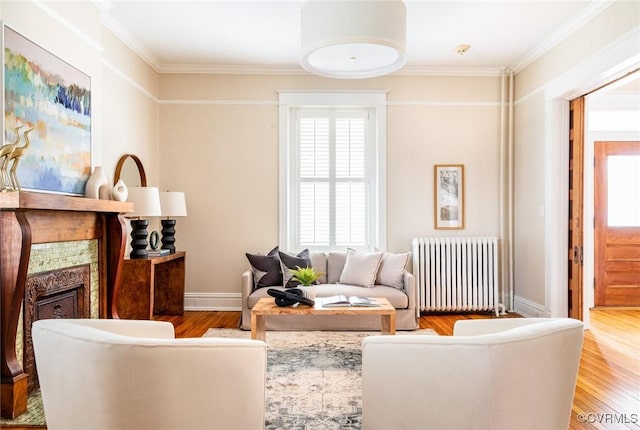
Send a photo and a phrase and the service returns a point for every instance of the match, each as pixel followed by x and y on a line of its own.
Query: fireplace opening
pixel 59 293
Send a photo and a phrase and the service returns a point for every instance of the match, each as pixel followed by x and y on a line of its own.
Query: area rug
pixel 314 379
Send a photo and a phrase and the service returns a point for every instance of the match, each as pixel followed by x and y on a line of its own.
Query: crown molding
pixel 231 69
pixel 298 70
pixel 125 37
pixel 588 13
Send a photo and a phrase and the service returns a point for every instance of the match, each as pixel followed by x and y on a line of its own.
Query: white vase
pixel 105 192
pixel 309 292
pixel 120 192
pixel 95 181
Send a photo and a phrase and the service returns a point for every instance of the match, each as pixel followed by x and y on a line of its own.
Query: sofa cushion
pixel 361 268
pixel 396 297
pixel 266 269
pixel 291 262
pixel 391 271
pixel 319 263
pixel 335 264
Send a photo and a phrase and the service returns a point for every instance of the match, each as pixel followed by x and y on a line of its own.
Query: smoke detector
pixel 462 49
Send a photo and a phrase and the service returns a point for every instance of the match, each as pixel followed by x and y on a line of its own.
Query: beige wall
pixel 604 48
pixel 529 199
pixel 219 144
pixel 130 108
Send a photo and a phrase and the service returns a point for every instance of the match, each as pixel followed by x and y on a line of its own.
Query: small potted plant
pixel 307 276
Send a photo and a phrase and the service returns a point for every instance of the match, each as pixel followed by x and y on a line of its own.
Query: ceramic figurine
pixel 120 192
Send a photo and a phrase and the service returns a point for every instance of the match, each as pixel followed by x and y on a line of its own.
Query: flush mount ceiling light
pixel 354 38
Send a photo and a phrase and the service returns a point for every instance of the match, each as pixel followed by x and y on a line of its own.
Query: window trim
pixel 375 100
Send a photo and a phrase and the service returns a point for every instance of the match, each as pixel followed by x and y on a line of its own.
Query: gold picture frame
pixel 448 196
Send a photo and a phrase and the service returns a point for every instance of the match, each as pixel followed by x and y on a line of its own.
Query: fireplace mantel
pixel 28 218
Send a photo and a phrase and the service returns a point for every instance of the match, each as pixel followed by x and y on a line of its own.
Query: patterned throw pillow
pixel 266 269
pixel 288 261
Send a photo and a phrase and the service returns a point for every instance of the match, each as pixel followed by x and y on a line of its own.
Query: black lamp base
pixel 169 234
pixel 139 238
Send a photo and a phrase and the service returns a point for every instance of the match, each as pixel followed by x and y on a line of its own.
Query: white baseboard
pixel 213 302
pixel 530 309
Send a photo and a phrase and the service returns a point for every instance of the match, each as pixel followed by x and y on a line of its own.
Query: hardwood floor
pixel 608 389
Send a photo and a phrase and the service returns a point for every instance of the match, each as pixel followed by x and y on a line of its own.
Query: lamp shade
pixel 353 38
pixel 146 201
pixel 173 204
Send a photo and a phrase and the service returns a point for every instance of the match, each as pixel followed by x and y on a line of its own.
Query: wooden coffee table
pixel 267 306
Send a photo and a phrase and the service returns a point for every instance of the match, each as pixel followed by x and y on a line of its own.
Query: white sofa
pixel 122 374
pixel 491 374
pixel 404 299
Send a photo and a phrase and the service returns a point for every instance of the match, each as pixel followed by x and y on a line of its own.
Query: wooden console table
pixel 151 286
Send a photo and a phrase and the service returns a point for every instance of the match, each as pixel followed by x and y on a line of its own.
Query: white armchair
pixel 515 373
pixel 122 374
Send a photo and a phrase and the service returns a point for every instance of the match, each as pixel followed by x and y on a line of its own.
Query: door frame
pixel 620 59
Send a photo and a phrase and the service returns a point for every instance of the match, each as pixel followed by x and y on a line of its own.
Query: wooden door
pixel 576 167
pixel 617 223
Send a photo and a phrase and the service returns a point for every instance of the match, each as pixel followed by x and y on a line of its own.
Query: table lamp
pixel 146 203
pixel 173 205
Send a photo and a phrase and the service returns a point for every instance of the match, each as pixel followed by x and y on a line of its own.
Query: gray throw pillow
pixel 288 261
pixel 361 268
pixel 335 264
pixel 266 269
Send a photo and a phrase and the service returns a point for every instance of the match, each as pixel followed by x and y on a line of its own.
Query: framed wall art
pixel 44 93
pixel 449 196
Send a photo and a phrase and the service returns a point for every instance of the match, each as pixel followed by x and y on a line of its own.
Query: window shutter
pixel 331 170
pixel 350 195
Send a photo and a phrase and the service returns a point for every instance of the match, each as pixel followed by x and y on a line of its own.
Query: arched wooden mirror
pixel 131 171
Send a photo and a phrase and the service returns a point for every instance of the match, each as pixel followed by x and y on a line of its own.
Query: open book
pixel 341 300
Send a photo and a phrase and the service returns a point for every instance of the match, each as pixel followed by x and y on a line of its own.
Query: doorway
pixel 610 113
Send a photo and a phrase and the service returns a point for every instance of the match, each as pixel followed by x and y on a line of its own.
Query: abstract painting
pixel 49 95
pixel 449 196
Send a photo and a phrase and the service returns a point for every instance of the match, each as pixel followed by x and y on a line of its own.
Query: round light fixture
pixel 353 39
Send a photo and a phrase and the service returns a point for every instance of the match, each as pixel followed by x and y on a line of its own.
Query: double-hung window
pixel 332 190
